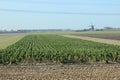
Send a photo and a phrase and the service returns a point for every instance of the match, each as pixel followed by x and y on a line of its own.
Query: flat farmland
pixel 9 39
pixel 58 49
pixel 61 72
pixel 54 57
pixel 108 37
pixel 113 35
pixel 103 36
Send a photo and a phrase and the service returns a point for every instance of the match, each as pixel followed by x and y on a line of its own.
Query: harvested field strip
pixel 108 41
pixel 7 40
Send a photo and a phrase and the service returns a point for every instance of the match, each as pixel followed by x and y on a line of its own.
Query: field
pixel 103 36
pixel 58 49
pixel 113 35
pixel 61 72
pixel 55 57
pixel 7 39
pixel 100 40
pixel 109 37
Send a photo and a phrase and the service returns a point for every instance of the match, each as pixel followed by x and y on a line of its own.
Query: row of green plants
pixel 58 49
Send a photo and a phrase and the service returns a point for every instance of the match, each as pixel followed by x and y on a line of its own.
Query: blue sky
pixel 62 14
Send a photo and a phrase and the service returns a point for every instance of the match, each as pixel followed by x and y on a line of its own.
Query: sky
pixel 59 14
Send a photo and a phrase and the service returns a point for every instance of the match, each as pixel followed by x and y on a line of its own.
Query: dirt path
pixel 108 41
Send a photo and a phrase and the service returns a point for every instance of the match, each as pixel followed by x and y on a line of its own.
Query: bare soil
pixel 61 72
pixel 103 36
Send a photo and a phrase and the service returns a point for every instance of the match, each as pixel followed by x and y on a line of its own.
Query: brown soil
pixel 61 72
pixel 103 36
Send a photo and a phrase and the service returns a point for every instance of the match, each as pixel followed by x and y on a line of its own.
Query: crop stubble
pixel 61 72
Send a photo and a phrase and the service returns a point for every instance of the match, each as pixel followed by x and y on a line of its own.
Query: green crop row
pixel 58 49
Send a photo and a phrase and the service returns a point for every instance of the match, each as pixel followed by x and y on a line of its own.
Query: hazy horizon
pixel 68 14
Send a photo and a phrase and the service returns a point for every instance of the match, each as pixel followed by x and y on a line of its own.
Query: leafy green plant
pixel 55 48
